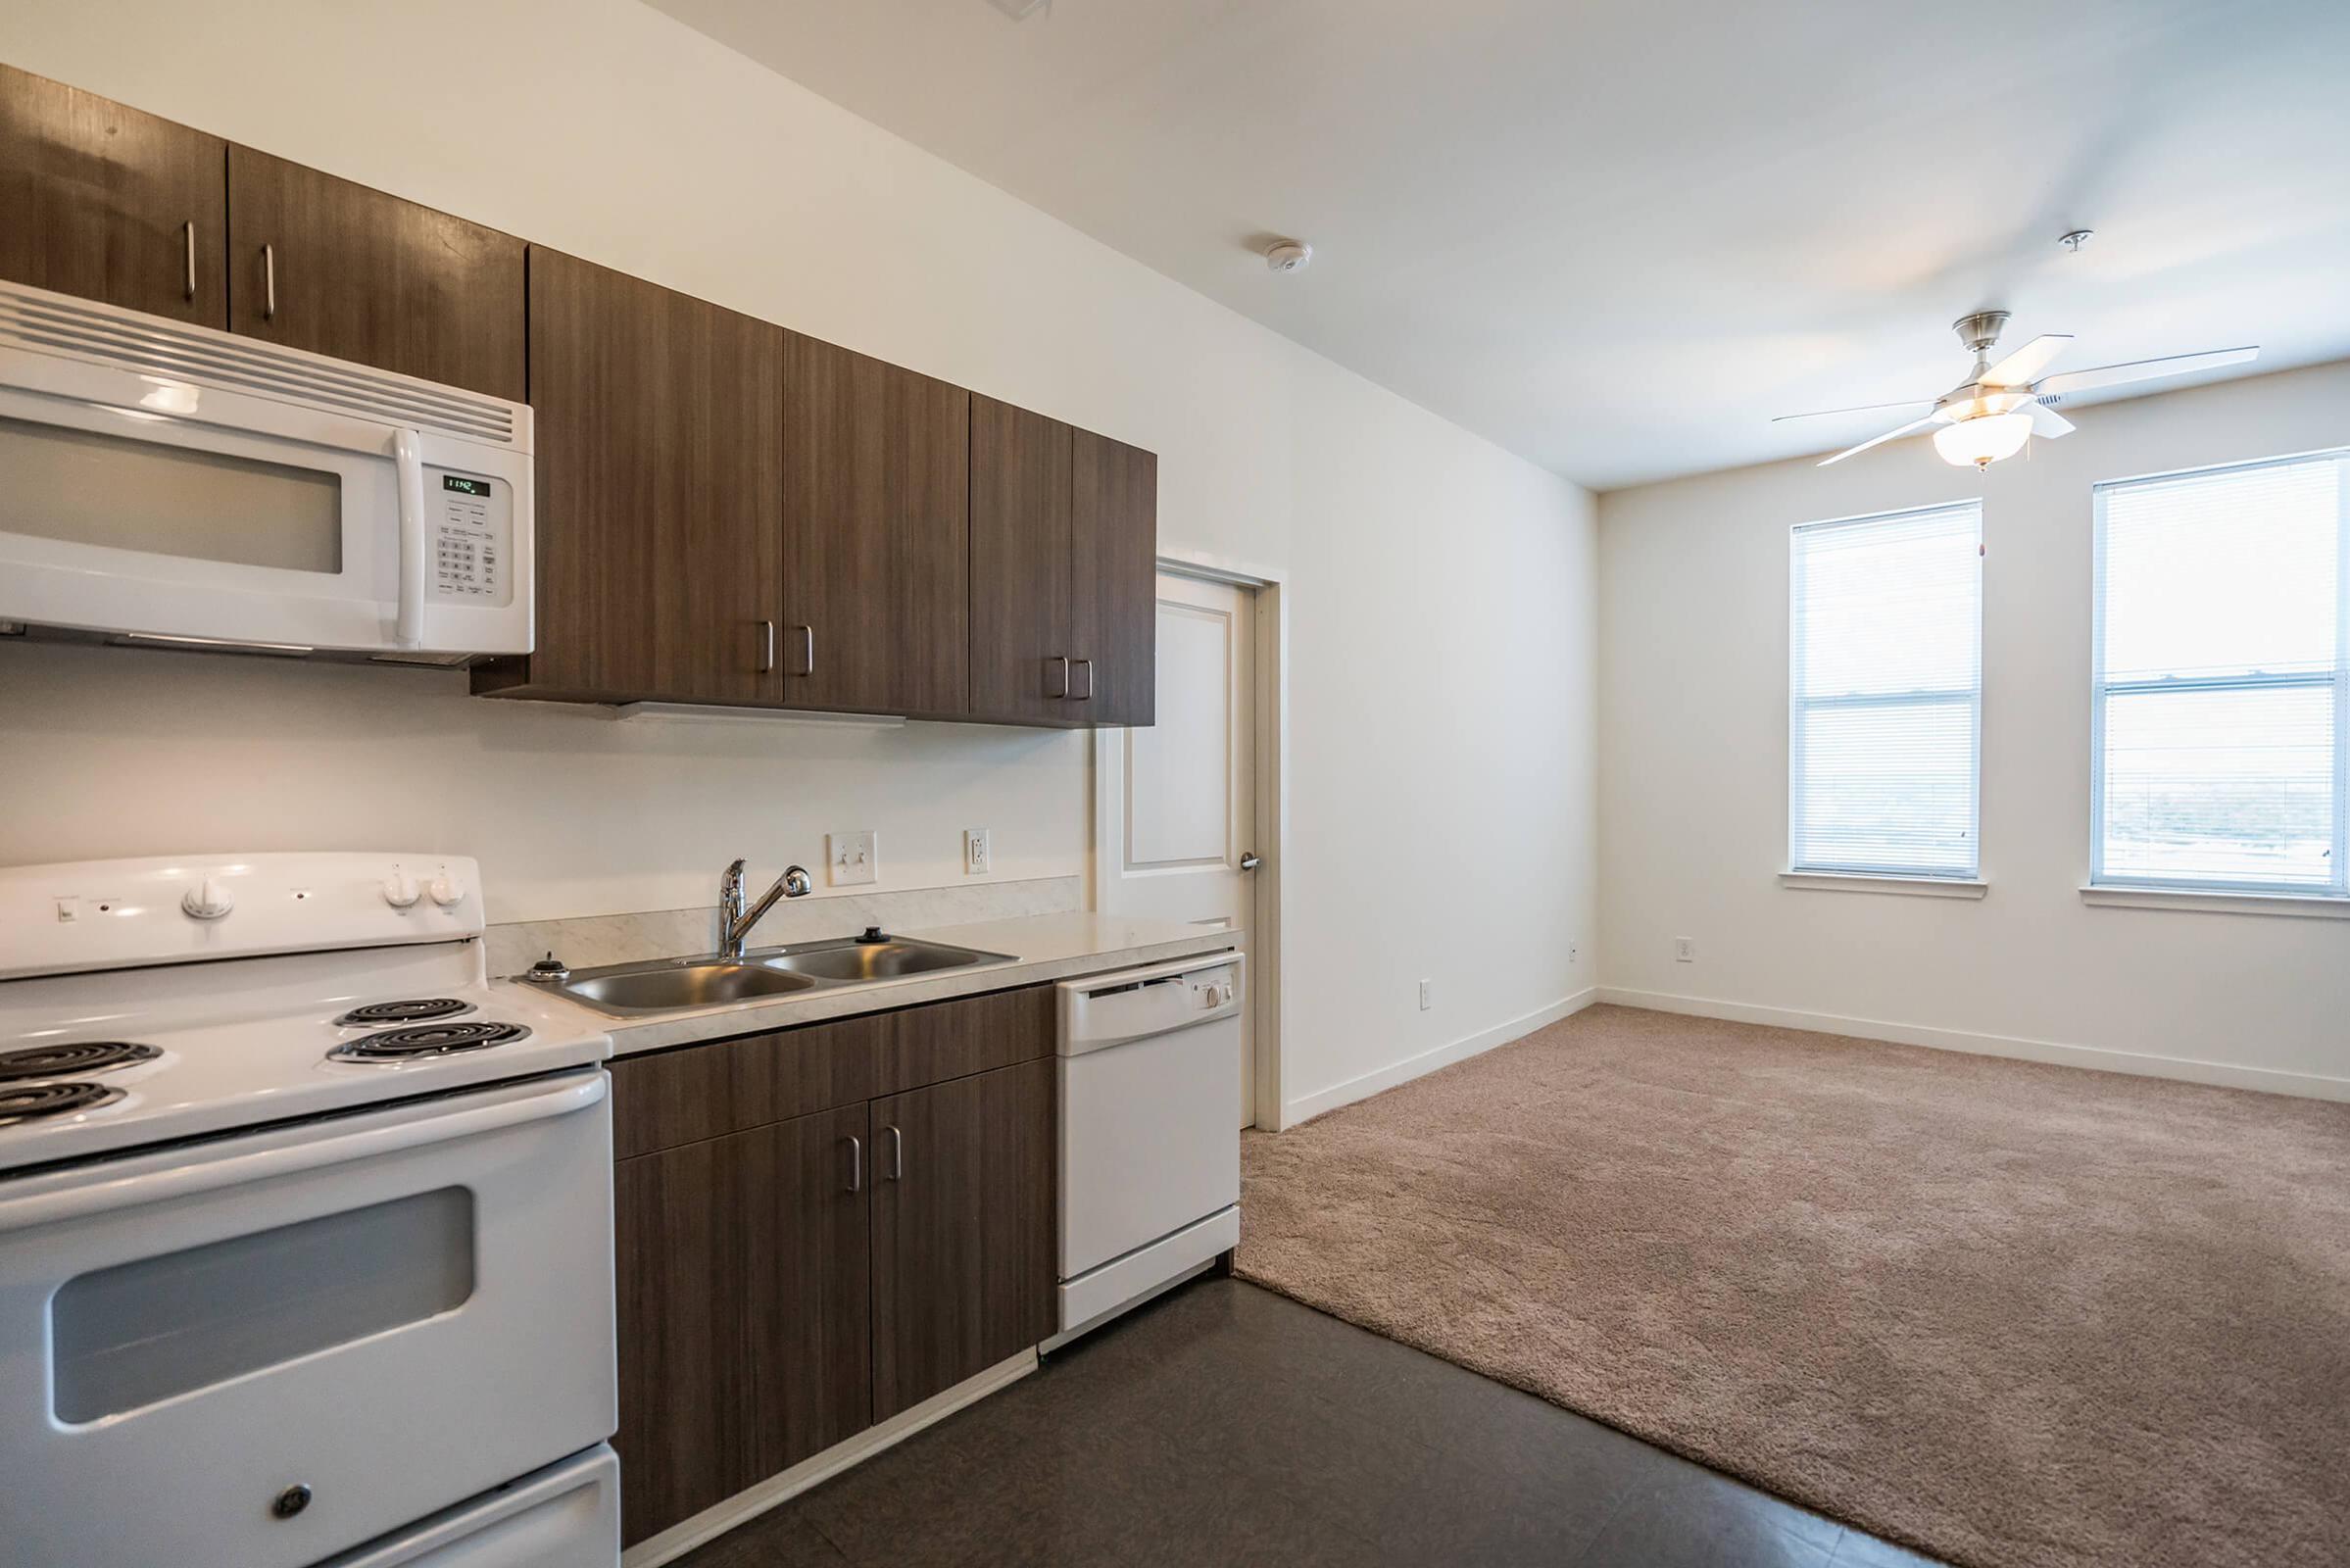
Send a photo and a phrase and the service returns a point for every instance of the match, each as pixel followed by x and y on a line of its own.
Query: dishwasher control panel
pixel 1112 1008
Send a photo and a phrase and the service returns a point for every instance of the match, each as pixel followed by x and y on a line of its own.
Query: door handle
pixel 268 282
pixel 766 655
pixel 407 462
pixel 897 1153
pixel 1057 682
pixel 807 651
pixel 191 244
pixel 1087 665
pixel 1250 861
pixel 856 1163
pixel 220 1172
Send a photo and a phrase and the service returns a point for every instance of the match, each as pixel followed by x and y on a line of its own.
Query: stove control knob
pixel 399 890
pixel 447 891
pixel 207 901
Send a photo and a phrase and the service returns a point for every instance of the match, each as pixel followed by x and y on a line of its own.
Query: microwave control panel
pixel 472 523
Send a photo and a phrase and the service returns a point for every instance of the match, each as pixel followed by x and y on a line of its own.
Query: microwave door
pixel 144 522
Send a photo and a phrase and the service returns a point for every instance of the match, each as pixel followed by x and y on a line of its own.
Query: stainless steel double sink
pixel 669 985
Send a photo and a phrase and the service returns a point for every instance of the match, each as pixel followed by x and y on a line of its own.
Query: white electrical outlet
pixel 1427 995
pixel 852 857
pixel 1685 950
pixel 975 851
pixel 1571 951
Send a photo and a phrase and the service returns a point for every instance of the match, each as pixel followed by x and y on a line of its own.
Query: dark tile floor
pixel 1224 1424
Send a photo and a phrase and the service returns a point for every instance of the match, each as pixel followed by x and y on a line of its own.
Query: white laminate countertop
pixel 1044 947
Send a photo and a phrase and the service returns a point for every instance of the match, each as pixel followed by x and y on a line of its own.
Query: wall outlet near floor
pixel 852 857
pixel 1685 950
pixel 975 850
pixel 1427 995
pixel 1571 951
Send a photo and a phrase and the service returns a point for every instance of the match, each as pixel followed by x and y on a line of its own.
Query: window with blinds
pixel 2221 678
pixel 1886 694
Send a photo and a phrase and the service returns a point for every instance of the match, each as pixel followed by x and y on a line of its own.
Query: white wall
pixel 1693 744
pixel 1441 591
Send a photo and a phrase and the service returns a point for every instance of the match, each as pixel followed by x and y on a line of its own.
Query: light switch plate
pixel 975 851
pixel 852 857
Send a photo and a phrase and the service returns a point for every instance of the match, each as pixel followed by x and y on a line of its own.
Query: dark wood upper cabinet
pixel 104 201
pixel 321 263
pixel 659 494
pixel 1113 576
pixel 726 512
pixel 1020 565
pixel 744 1276
pixel 875 534
pixel 963 1230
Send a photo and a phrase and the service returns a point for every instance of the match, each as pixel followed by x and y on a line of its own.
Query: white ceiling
pixel 1616 236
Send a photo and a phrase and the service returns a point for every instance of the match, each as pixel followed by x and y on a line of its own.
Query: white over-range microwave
pixel 171 484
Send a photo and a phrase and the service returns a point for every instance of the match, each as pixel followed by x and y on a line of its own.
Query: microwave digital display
pixel 464 486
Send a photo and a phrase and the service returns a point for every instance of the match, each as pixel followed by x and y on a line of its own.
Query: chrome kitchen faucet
pixel 735 921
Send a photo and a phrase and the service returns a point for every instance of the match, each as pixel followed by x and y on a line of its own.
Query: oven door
pixel 269 1348
pixel 170 483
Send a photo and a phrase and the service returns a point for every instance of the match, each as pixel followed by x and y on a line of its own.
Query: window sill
pixel 2318 905
pixel 1915 887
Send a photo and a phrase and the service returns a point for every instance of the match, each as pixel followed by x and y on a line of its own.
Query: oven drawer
pixel 266 1350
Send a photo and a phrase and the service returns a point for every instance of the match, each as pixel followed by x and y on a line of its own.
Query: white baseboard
pixel 1368 1084
pixel 720 1517
pixel 2311 1086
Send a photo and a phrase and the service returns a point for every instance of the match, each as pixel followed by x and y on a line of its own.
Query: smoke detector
pixel 1289 255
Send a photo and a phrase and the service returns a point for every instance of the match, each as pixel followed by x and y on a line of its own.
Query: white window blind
pixel 2222 696
pixel 1886 694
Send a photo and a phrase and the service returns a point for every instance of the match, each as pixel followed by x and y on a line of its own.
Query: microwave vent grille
pixel 53 323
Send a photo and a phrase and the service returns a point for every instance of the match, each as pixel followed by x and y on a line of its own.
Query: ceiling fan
pixel 1990 414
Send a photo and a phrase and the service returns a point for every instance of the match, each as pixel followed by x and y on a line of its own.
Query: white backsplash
pixel 587 942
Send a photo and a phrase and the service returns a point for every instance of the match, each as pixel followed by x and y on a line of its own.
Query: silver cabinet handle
pixel 1250 861
pixel 1056 669
pixel 808 650
pixel 1086 695
pixel 191 244
pixel 897 1153
pixel 856 1163
pixel 766 655
pixel 268 282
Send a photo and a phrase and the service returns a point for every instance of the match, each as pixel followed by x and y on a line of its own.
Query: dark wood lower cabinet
pixel 963 1230
pixel 744 1319
pixel 798 1258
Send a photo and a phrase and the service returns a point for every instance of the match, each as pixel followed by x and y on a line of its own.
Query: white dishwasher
pixel 1149 1131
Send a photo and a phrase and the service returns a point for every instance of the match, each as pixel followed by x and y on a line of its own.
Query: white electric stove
pixel 305 1224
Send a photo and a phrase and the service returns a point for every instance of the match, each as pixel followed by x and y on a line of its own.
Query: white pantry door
pixel 1176 802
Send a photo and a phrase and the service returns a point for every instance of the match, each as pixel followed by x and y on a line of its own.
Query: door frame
pixel 1270 586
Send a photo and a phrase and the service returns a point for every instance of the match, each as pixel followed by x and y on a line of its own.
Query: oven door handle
pixel 408 457
pixel 140 1187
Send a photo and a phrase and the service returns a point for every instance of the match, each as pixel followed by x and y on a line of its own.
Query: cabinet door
pixel 660 490
pixel 743 1269
pixel 1113 576
pixel 106 203
pixel 321 263
pixel 963 1230
pixel 1020 565
pixel 875 533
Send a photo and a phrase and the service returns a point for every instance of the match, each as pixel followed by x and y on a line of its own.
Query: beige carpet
pixel 2007 1313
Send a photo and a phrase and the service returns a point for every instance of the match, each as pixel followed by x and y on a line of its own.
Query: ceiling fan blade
pixel 2019 367
pixel 2046 422
pixel 2145 369
pixel 1863 408
pixel 1894 434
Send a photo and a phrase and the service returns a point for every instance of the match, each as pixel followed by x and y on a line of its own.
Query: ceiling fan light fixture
pixel 1980 442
